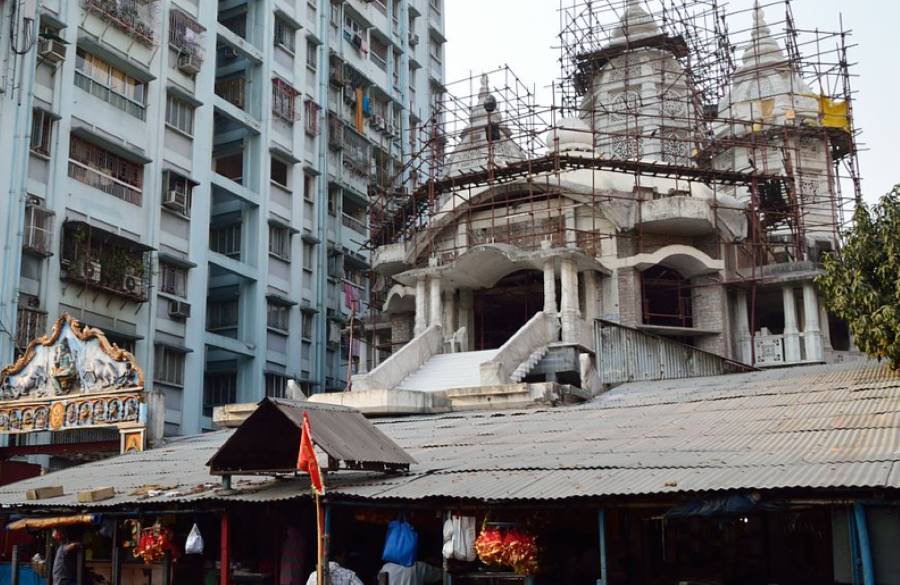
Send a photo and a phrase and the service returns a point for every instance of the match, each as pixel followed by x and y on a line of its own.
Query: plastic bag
pixel 464 538
pixel 194 543
pixel 447 550
pixel 401 544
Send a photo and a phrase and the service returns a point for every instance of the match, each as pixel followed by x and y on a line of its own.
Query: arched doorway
pixel 666 298
pixel 501 310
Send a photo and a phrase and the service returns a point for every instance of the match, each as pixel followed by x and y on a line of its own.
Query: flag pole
pixel 320 570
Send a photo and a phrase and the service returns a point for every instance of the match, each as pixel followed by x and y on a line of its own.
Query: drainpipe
pixel 321 211
pixel 224 552
pixel 17 186
pixel 865 548
pixel 601 534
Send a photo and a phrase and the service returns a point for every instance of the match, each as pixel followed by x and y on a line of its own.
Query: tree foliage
pixel 861 284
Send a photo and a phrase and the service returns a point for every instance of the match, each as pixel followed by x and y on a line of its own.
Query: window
pixel 332 202
pixel 284 100
pixel 278 316
pixel 41 132
pixel 306 325
pixel 226 239
pixel 436 49
pixel 173 279
pixel 168 367
pixel 280 241
pixel 176 194
pixel 285 34
pixel 308 186
pixel 308 255
pixel 311 111
pixel 335 14
pixel 222 314
pixel 185 33
pixel 180 114
pixel 103 170
pixel 219 388
pixel 312 55
pixel 111 85
pixel 276 385
pixel 435 5
pixel 279 172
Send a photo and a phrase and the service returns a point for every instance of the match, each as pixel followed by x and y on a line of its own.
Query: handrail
pixel 80 171
pixel 542 329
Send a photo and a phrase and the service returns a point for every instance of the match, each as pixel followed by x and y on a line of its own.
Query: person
pixel 65 563
pixel 418 574
pixel 337 575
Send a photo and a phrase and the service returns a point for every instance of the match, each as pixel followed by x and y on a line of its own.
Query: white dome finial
pixel 763 48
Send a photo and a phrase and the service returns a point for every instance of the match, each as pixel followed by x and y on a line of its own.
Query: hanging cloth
pixel 359 110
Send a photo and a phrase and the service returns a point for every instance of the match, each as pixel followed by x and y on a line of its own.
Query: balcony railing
pixel 354 224
pixel 233 91
pixel 109 96
pixel 130 16
pixel 99 180
pixel 30 324
pixel 104 261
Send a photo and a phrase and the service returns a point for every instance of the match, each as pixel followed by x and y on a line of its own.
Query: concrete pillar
pixel 421 307
pixel 812 333
pixel 467 318
pixel 742 318
pixel 791 333
pixel 450 312
pixel 435 311
pixel 591 295
pixel 569 311
pixel 550 286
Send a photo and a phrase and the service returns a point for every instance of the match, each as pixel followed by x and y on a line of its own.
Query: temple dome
pixel 572 134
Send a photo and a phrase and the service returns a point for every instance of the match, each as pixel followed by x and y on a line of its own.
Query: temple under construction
pixel 669 209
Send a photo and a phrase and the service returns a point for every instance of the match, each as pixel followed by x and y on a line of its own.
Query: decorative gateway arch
pixel 74 379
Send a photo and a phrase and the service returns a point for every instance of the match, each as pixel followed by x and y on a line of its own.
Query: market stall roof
pixel 269 440
pixel 818 428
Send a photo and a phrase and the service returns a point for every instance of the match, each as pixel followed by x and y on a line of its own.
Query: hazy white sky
pixel 485 34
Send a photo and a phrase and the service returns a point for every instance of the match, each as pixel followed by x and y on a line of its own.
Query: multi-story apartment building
pixel 192 177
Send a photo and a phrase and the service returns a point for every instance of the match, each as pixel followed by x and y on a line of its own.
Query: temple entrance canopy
pixel 74 379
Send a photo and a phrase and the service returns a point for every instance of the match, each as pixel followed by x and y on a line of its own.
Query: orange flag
pixel 306 458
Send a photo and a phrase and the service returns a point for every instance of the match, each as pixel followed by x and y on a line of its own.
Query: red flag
pixel 306 458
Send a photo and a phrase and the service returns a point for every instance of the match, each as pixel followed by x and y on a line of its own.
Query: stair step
pixel 448 370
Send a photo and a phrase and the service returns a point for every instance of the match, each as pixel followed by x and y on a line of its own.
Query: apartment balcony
pixel 133 17
pixel 676 214
pixel 105 262
pixel 233 91
pixel 30 324
pixel 354 224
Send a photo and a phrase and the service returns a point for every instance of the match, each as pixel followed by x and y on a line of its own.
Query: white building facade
pixel 192 178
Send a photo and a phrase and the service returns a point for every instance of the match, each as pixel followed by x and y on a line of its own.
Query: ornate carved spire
pixel 636 24
pixel 763 48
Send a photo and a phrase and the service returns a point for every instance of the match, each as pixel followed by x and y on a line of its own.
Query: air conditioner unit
pixel 189 63
pixel 51 50
pixel 179 310
pixel 413 39
pixel 92 271
pixel 132 284
pixel 174 200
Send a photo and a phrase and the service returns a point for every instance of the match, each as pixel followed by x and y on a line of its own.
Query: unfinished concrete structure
pixel 667 189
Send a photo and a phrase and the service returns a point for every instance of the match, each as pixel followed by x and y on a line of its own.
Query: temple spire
pixel 636 24
pixel 763 48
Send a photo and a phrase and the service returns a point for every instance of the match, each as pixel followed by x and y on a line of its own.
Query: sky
pixel 486 34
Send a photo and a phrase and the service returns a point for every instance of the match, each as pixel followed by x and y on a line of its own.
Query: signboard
pixel 769 349
pixel 73 378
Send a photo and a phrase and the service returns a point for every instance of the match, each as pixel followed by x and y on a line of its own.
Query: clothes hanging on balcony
pixel 359 110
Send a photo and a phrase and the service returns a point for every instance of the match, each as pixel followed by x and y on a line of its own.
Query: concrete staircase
pixel 525 367
pixel 448 370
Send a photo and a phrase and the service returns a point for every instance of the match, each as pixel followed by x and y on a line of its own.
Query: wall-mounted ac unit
pixel 174 200
pixel 132 284
pixel 179 310
pixel 189 63
pixel 51 50
pixel 92 270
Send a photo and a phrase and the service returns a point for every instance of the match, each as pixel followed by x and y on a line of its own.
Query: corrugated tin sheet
pixel 625 354
pixel 816 427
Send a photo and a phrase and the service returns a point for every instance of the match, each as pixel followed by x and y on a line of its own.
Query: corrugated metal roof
pixel 815 427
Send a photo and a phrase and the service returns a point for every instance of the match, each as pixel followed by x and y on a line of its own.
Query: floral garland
pixel 513 548
pixel 151 544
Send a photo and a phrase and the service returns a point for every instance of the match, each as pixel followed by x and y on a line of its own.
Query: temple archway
pixel 504 308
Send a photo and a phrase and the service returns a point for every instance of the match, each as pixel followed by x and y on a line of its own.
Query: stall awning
pixel 269 440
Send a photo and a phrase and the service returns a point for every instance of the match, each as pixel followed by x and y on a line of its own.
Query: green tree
pixel 861 284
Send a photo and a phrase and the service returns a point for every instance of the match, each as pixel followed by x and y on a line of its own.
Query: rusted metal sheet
pixel 625 354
